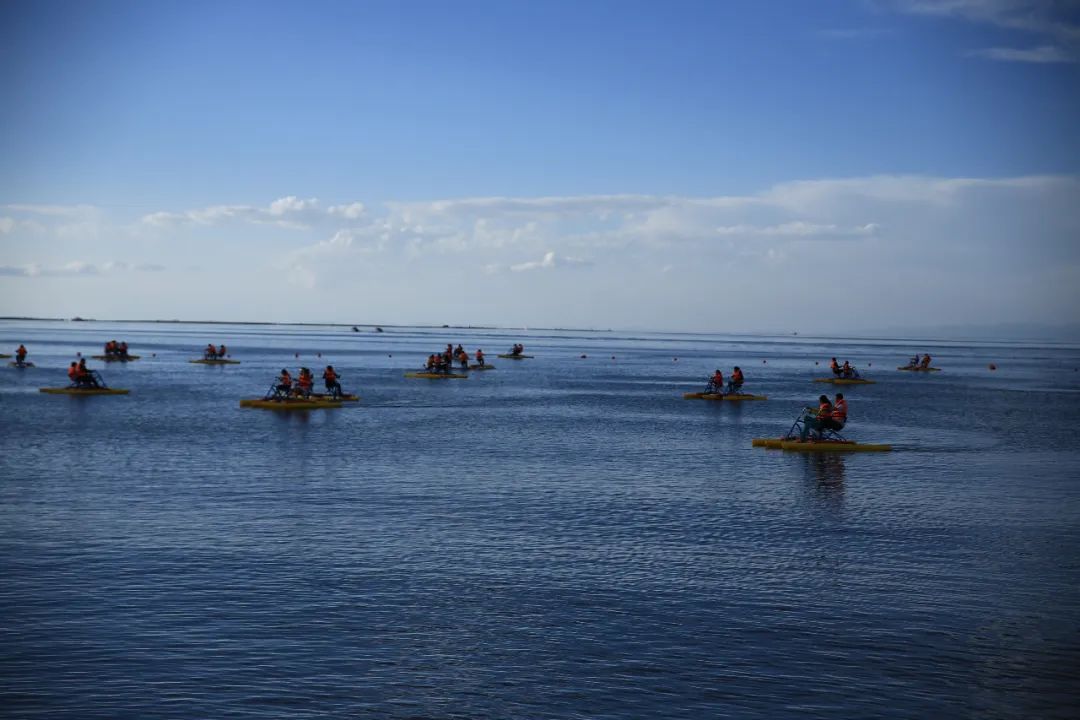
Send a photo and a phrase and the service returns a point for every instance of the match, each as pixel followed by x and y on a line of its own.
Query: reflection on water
pixel 825 472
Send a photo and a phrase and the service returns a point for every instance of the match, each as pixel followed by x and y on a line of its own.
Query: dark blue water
pixel 558 538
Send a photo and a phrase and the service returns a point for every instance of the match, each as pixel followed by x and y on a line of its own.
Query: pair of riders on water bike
pixel 82 376
pixel 916 363
pixel 286 388
pixel 716 382
pixel 843 371
pixel 213 353
pixel 828 417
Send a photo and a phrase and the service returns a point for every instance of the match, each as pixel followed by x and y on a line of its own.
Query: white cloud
pixel 1056 21
pixel 351 211
pixel 287 212
pixel 1041 54
pixel 53 210
pixel 549 261
pixel 798 229
pixel 77 268
pixel 291 204
pixel 6 225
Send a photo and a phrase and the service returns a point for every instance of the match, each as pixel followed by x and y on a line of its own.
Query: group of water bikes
pixel 815 429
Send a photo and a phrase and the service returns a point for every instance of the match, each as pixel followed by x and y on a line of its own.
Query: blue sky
pixel 676 165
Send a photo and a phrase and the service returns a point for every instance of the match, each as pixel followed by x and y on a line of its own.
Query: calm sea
pixel 563 537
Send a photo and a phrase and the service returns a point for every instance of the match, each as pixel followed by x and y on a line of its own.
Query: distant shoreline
pixel 928 337
pixel 298 324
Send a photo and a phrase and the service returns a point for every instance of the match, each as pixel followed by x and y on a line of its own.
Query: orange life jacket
pixel 833 365
pixel 286 379
pixel 73 371
pixel 824 410
pixel 81 371
pixel 329 375
pixel 718 379
pixel 304 382
pixel 736 377
pixel 839 412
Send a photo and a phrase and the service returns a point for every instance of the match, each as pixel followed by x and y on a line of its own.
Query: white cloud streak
pixel 1041 54
pixel 1053 21
pixel 76 268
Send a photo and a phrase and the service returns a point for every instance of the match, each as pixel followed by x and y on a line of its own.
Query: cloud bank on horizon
pixel 824 255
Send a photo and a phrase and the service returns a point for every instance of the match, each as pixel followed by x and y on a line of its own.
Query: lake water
pixel 563 537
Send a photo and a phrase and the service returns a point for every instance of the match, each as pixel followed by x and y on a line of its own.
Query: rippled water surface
pixel 563 537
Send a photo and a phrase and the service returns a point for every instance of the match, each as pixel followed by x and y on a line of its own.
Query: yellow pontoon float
pixel 823 445
pixel 845 381
pixel 730 397
pixel 83 391
pixel 289 404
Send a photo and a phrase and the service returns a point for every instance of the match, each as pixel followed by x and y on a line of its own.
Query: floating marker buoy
pixel 869 364
pixel 584 356
pixel 675 360
pixel 318 355
pixel 612 357
pixel 815 362
pixel 764 362
pixel 296 354
pixel 992 366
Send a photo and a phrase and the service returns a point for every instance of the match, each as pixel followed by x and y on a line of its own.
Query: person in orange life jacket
pixel 479 357
pixel 123 349
pixel 834 367
pixel 73 373
pixel 736 381
pixel 716 382
pixel 839 412
pixel 20 354
pixel 330 379
pixel 926 361
pixel 305 382
pixel 210 353
pixel 463 359
pixel 815 421
pixel 221 351
pixel 83 376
